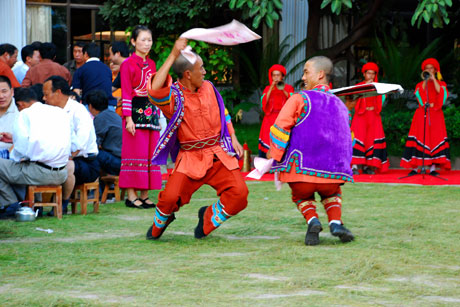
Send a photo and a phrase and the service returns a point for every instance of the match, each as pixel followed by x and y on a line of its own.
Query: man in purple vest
pixel 312 145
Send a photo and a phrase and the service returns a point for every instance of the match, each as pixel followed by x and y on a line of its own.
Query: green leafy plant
pixel 427 10
pixel 217 60
pixel 401 62
pixel 336 5
pixel 435 10
pixel 260 10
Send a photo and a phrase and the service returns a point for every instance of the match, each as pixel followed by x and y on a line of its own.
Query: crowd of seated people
pixel 57 122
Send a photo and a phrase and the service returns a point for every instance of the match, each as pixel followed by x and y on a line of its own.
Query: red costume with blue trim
pixel 272 107
pixel 369 147
pixel 436 145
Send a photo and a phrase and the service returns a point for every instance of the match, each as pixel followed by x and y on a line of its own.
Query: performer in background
pixel 369 150
pixel 311 142
pixel 140 124
pixel 273 98
pixel 436 145
pixel 201 137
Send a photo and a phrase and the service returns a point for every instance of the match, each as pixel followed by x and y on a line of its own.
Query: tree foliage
pixel 161 16
pixel 259 10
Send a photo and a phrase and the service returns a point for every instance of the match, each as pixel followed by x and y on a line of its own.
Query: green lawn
pixel 406 253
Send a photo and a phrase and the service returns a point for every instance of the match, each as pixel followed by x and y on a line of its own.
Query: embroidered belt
pixel 200 144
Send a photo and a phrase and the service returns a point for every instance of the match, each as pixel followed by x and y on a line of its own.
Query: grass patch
pixel 406 252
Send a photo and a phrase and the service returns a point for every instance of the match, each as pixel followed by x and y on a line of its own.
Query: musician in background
pixel 369 149
pixel 273 99
pixel 431 93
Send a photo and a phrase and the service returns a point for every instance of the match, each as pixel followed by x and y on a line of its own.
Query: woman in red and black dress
pixel 369 150
pixel 434 92
pixel 273 99
pixel 140 124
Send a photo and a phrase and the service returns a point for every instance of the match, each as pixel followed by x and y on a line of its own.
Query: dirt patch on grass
pixel 132 218
pixel 82 237
pixel 361 288
pixel 265 277
pixel 92 296
pixel 444 299
pixel 229 237
pixel 447 267
pixel 282 295
pixel 425 280
pixel 231 255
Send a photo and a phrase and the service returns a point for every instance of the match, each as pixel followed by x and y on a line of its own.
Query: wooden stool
pixel 109 180
pixel 54 189
pixel 80 195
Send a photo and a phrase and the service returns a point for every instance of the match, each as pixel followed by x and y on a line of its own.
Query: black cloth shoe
pixel 412 173
pixel 312 235
pixel 434 173
pixel 149 236
pixel 144 203
pixel 340 231
pixel 199 232
pixel 130 204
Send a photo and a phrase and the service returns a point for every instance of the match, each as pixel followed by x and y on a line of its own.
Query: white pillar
pixel 13 23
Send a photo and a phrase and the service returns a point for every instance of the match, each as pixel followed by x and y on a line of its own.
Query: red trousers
pixel 303 194
pixel 229 185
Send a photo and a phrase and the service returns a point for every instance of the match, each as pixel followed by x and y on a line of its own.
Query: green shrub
pixel 396 124
pixel 217 60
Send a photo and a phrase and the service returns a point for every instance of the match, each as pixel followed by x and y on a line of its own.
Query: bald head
pixel 322 63
pixel 181 64
pixel 317 70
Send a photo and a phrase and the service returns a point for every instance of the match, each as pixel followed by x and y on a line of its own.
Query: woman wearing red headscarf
pixel 369 150
pixel 273 99
pixel 434 92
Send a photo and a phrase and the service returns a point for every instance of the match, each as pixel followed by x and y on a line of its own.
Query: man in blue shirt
pixel 93 75
pixel 108 132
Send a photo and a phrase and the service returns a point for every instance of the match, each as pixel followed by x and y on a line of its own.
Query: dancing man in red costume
pixel 201 140
pixel 436 145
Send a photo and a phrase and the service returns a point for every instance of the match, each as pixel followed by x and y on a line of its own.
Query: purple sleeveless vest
pixel 320 142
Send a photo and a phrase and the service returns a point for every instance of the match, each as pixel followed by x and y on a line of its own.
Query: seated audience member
pixel 46 68
pixel 108 132
pixel 8 56
pixel 119 52
pixel 38 89
pixel 8 109
pixel 83 166
pixel 93 75
pixel 78 59
pixel 30 57
pixel 41 135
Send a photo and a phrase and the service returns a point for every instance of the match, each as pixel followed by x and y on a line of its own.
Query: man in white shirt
pixel 83 166
pixel 8 109
pixel 41 138
pixel 30 57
